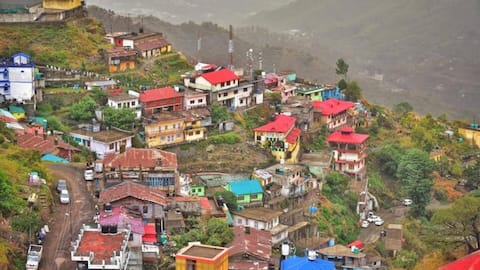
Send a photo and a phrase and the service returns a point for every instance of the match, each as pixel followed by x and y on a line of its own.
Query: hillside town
pixel 145 199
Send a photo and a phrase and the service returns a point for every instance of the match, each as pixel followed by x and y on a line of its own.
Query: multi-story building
pixel 120 59
pixel 319 92
pixel 163 129
pixel 293 179
pixel 196 122
pixel 281 137
pixel 247 192
pixel 201 257
pixel 349 151
pixel 332 112
pixel 156 168
pixel 301 109
pixel 62 4
pixel 17 78
pixel 281 85
pixel 161 100
pixel 262 218
pixel 194 99
pixel 124 100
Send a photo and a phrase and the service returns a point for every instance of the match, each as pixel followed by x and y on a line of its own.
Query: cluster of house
pixel 32 11
pixel 129 46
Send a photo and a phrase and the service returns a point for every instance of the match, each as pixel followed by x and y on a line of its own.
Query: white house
pixel 194 99
pixel 124 100
pixel 292 178
pixel 103 142
pixel 213 81
pixel 17 78
pixel 262 218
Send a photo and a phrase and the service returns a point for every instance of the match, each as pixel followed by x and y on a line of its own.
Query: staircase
pixel 42 200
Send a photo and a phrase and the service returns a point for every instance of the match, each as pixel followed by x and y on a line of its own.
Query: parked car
pixel 373 218
pixel 407 202
pixel 365 224
pixel 64 197
pixel 379 222
pixel 88 175
pixel 61 185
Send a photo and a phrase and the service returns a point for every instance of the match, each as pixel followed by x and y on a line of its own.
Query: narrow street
pixel 66 219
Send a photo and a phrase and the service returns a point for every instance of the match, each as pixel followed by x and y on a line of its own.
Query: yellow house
pixel 61 4
pixel 195 121
pixel 120 59
pixel 471 135
pixel 165 128
pixel 202 257
pixel 281 137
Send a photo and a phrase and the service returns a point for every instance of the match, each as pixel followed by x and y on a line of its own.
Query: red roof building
pixel 281 136
pixel 469 262
pixel 249 246
pixel 46 145
pixel 161 99
pixel 131 194
pixel 220 76
pixel 332 112
pixel 213 81
pixel 349 151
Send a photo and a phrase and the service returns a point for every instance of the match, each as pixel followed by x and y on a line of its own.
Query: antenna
pixel 199 45
pixel 230 46
pixel 250 62
pixel 260 60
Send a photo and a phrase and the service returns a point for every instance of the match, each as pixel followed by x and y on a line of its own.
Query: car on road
pixel 64 197
pixel 407 202
pixel 379 222
pixel 373 218
pixel 61 185
pixel 364 224
pixel 88 175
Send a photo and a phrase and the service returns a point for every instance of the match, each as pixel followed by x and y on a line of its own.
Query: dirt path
pixel 67 219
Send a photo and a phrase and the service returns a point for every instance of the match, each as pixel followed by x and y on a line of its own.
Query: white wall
pixel 128 43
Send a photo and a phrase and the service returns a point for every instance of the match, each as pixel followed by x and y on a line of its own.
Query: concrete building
pixel 201 257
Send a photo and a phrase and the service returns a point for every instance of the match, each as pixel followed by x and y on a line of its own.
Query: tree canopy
pixel 123 118
pixel 402 108
pixel 229 198
pixel 219 113
pixel 472 175
pixel 458 225
pixel 83 110
pixel 353 92
pixel 214 232
pixel 342 68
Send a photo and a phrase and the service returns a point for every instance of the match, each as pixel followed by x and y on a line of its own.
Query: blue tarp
pixel 303 263
pixel 53 158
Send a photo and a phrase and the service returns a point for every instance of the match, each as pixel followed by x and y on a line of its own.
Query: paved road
pixel 67 219
pixel 395 215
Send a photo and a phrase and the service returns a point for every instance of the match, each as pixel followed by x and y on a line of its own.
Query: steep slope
pixel 426 50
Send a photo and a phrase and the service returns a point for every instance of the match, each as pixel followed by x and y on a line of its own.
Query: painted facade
pixel 164 129
pixel 124 100
pixel 248 192
pixel 262 218
pixel 61 4
pixel 201 257
pixel 333 113
pixel 121 59
pixel 17 78
pixel 471 134
pixel 161 100
pixel 103 142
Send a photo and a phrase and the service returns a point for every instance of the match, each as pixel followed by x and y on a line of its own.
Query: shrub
pixel 26 223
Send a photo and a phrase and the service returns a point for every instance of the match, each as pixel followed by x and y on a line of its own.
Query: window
pixel 245 89
pixel 163 138
pixel 253 196
pixel 239 221
pixel 235 92
pixel 178 135
pixel 225 94
pixel 166 127
pixel 191 265
pixel 200 100
pixel 197 132
pixel 192 101
pixel 241 101
pixel 111 146
pixel 219 95
pixel 240 198
pixel 145 209
pixel 255 224
pixel 190 133
pixel 133 103
pixel 174 126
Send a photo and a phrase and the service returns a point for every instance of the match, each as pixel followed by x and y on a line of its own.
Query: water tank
pixel 285 249
pixel 331 242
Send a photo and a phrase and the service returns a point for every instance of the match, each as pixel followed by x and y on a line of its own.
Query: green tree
pixel 342 68
pixel 342 84
pixel 229 198
pixel 99 96
pixel 84 110
pixel 219 113
pixel 388 158
pixel 215 232
pixel 402 108
pixel 353 92
pixel 124 118
pixel 458 225
pixel 415 171
pixel 472 175
pixel 9 200
pixel 337 183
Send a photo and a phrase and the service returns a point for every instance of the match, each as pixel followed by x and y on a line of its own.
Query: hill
pixel 74 43
pixel 426 50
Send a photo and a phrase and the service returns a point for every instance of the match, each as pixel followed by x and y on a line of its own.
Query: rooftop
pixel 138 36
pixel 293 136
pixel 281 124
pixel 158 94
pixel 304 263
pixel 220 76
pixel 106 136
pixel 43 145
pixel 120 52
pixel 339 250
pixel 258 213
pixel 139 157
pixel 253 242
pixel 245 187
pixel 346 135
pixel 202 251
pixel 130 189
pixel 195 114
pixel 102 245
pixel 119 216
pixel 151 44
pixel 122 97
pixel 469 262
pixel 332 106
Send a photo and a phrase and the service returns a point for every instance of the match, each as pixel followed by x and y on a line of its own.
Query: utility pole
pixel 230 47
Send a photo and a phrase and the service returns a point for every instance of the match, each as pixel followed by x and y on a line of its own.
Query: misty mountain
pixel 179 11
pixel 428 51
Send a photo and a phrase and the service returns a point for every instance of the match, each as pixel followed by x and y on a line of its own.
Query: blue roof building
pixel 306 263
pixel 248 192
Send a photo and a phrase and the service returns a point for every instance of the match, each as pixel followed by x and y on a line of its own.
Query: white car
pixel 379 222
pixel 373 218
pixel 407 202
pixel 64 197
pixel 88 175
pixel 365 224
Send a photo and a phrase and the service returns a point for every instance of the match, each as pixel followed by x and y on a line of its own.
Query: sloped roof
pixel 119 216
pixel 158 94
pixel 120 52
pixel 245 187
pixel 339 250
pixel 292 136
pixel 130 189
pixel 332 106
pixel 346 135
pixel 256 243
pixel 151 44
pixel 220 76
pixel 281 124
pixel 469 262
pixel 258 213
pixel 303 263
pixel 139 157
